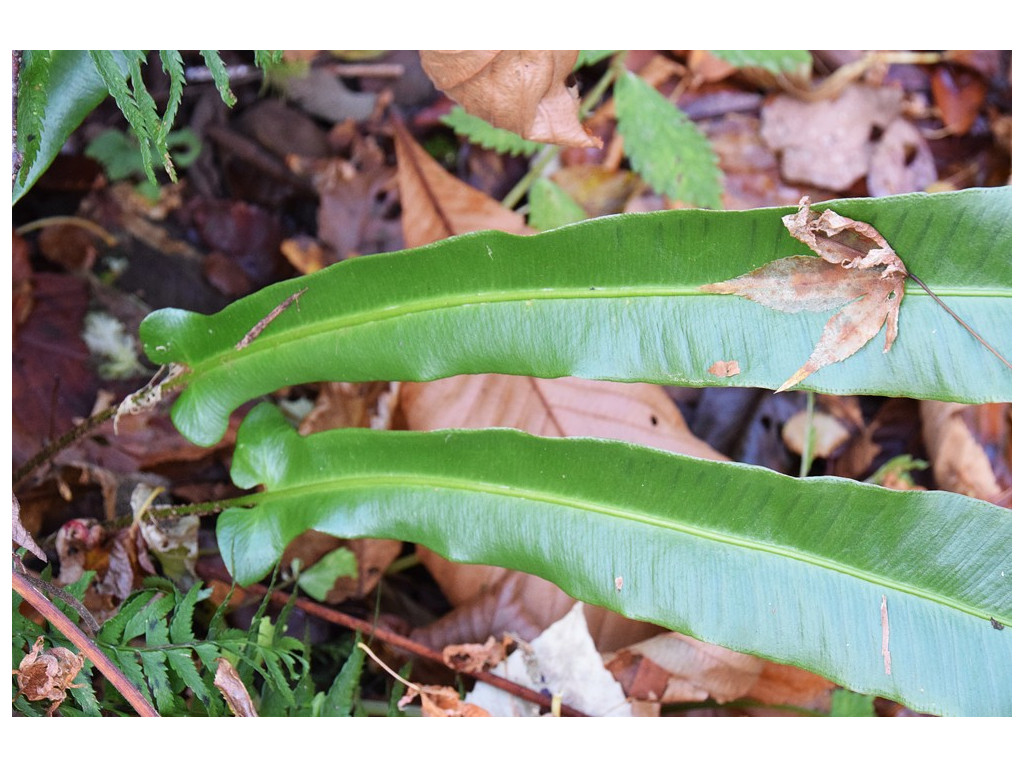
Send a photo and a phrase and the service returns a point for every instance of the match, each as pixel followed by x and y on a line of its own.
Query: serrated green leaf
pixel 479 131
pixel 792 570
pixel 154 667
pixel 142 123
pixel 56 90
pixel 773 61
pixel 84 695
pixel 664 146
pixel 181 625
pixel 343 691
pixel 615 298
pixel 128 662
pixel 180 660
pixel 220 76
pixel 175 69
pixel 154 611
pixel 113 630
pixel 552 207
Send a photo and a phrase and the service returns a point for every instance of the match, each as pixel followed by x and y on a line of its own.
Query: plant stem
pixel 956 317
pixel 807 455
pixel 88 648
pixel 50 450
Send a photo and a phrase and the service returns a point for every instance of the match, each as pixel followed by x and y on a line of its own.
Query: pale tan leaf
pixel 829 433
pixel 20 535
pixel 477 657
pixel 436 205
pixel 231 687
pixel 520 91
pixel 960 462
pixel 671 667
pixel 441 701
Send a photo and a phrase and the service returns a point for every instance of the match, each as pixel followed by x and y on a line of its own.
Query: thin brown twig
pixel 391 638
pixel 956 317
pixel 81 641
pixel 50 450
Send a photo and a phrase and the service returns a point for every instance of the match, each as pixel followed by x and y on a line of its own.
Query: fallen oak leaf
pixel 858 272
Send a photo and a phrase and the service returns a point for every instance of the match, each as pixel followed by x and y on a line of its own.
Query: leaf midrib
pixel 373 481
pixel 270 343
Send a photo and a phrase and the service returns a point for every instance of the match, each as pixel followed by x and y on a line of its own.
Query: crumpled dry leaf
pixel 436 205
pixel 174 540
pixel 858 271
pixel 441 701
pixel 48 673
pixel 477 657
pixel 233 689
pixel 520 91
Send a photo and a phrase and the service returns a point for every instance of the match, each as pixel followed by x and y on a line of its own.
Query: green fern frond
pixel 175 69
pixel 664 146
pixel 479 131
pixel 33 89
pixel 220 76
pixel 776 62
pixel 341 697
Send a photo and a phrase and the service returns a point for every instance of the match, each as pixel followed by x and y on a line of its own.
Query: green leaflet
pixel 664 146
pixel 773 61
pixel 56 90
pixel 614 298
pixel 793 570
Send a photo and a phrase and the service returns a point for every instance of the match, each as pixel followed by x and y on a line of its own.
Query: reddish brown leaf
pixel 520 91
pixel 441 701
pixel 436 205
pixel 959 95
pixel 857 271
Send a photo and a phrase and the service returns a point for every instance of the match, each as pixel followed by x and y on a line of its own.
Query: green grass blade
pixel 792 570
pixel 615 298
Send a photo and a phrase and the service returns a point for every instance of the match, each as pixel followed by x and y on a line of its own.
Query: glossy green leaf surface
pixel 615 298
pixel 57 89
pixel 792 570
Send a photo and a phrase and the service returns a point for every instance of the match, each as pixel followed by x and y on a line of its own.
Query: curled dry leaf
pixel 48 673
pixel 233 689
pixel 441 701
pixel 858 273
pixel 477 657
pixel 19 534
pixel 520 91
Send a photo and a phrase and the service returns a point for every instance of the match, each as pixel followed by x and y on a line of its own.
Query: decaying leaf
pixel 48 673
pixel 233 689
pixel 441 701
pixel 969 446
pixel 858 272
pixel 436 205
pixel 829 433
pixel 476 657
pixel 20 535
pixel 520 91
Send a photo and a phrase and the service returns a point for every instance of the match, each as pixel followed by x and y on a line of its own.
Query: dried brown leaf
pixel 48 673
pixel 436 205
pixel 966 460
pixel 441 701
pixel 857 271
pixel 520 91
pixel 19 534
pixel 233 689
pixel 477 657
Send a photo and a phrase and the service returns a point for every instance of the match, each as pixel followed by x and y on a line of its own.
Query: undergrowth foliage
pixel 153 640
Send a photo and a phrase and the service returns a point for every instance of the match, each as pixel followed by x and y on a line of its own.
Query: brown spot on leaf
pixel 858 273
pixel 724 368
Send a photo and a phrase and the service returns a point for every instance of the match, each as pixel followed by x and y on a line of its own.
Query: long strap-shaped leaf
pixel 793 570
pixel 615 298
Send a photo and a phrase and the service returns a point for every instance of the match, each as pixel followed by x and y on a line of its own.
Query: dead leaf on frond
pixel 858 273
